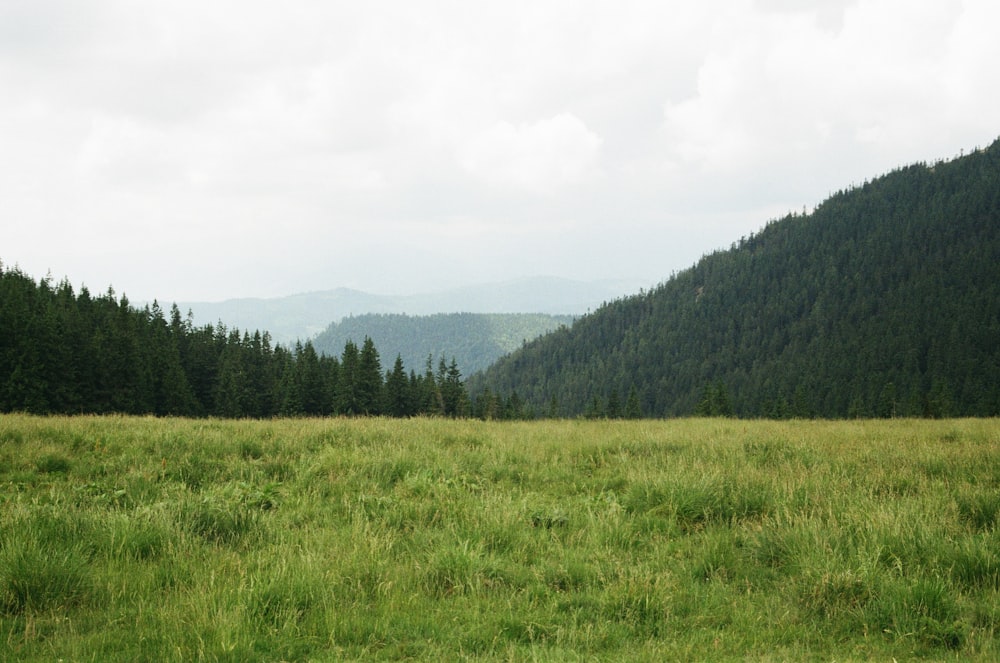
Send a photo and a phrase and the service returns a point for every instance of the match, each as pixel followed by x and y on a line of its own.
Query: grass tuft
pixel 980 510
pixel 53 464
pixel 220 519
pixel 35 577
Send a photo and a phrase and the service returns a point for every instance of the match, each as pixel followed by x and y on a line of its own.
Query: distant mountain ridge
pixel 885 301
pixel 473 340
pixel 303 316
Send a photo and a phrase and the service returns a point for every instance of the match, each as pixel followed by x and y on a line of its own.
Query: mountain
pixel 303 316
pixel 474 340
pixel 885 301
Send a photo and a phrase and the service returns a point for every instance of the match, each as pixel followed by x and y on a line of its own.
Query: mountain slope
pixel 303 316
pixel 884 301
pixel 474 340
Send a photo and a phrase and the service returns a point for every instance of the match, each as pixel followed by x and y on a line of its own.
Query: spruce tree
pixel 456 401
pixel 397 390
pixel 633 408
pixel 369 380
pixel 347 386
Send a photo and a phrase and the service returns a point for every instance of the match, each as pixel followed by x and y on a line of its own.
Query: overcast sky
pixel 208 149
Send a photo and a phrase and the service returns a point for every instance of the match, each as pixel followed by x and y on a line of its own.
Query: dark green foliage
pixel 370 389
pixel 398 396
pixel 715 401
pixel 633 409
pixel 453 394
pixel 883 302
pixel 53 464
pixel 67 353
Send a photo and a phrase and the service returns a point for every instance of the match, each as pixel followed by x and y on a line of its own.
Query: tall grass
pixel 175 540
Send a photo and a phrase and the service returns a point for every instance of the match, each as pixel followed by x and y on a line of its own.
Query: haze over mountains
pixel 302 316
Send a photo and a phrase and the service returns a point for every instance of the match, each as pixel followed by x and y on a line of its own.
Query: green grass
pixel 132 539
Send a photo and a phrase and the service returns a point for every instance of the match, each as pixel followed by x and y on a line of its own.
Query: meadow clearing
pixel 144 539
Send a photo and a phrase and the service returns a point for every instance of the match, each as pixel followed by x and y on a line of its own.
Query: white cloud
pixel 538 157
pixel 171 146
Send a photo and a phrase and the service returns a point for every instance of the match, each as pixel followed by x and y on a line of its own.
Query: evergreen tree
pixel 397 388
pixel 171 392
pixel 311 380
pixel 231 394
pixel 453 396
pixel 633 408
pixel 433 403
pixel 347 387
pixel 594 410
pixel 369 386
pixel 513 407
pixel 615 406
pixel 289 389
pixel 715 401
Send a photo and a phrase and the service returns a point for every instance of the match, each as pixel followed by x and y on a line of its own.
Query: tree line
pixel 68 352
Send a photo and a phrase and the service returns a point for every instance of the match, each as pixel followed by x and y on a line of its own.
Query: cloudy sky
pixel 202 150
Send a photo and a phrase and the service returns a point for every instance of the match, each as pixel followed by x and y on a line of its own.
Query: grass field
pixel 141 539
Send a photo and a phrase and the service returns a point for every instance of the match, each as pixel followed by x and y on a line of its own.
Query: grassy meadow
pixel 143 539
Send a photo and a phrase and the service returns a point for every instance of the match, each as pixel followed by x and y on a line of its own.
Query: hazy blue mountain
pixel 302 316
pixel 474 340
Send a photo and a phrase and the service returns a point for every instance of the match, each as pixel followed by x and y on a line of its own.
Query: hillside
pixel 302 316
pixel 474 340
pixel 884 301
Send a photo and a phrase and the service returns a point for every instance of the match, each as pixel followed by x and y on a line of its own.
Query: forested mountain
pixel 63 352
pixel 884 301
pixel 302 316
pixel 474 340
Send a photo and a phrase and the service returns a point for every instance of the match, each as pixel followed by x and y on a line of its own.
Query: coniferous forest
pixel 67 352
pixel 884 301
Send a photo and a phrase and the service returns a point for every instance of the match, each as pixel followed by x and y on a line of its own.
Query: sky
pixel 193 150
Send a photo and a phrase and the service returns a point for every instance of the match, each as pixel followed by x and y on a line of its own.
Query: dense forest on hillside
pixel 885 301
pixel 474 340
pixel 63 352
